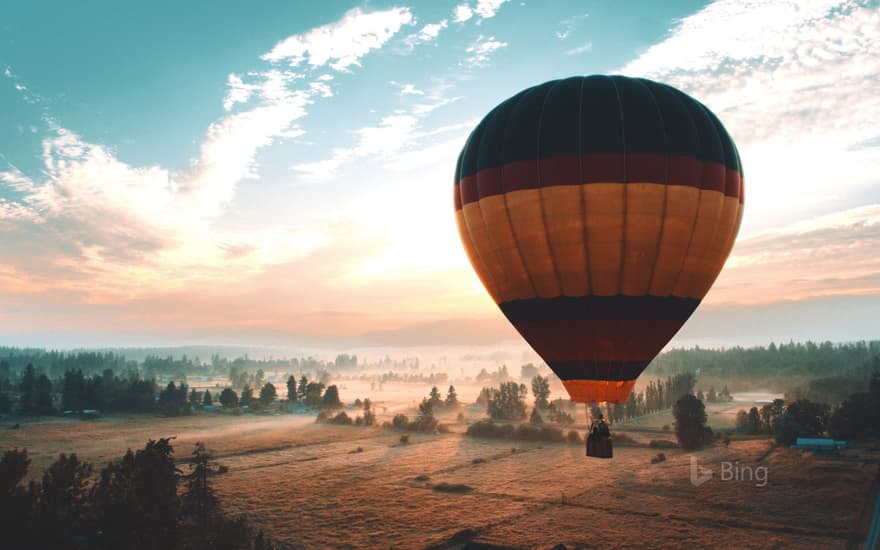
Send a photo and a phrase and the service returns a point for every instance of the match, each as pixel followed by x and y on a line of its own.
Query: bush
pixel 662 444
pixel 658 459
pixel 400 421
pixel 342 419
pixel 550 434
pixel 574 437
pixel 487 428
pixel 425 423
pixel 404 440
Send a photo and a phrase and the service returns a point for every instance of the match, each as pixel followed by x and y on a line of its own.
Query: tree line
pixel 36 394
pixel 778 367
pixel 140 501
pixel 857 417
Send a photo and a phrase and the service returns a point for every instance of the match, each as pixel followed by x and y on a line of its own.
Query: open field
pixel 307 486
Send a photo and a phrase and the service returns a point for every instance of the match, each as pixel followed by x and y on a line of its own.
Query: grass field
pixel 308 486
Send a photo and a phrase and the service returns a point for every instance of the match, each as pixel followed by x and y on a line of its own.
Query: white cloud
pixel 237 91
pixel 795 84
pixel 488 8
pixel 321 89
pixel 375 142
pixel 428 33
pixel 481 50
pixel 580 49
pixel 484 9
pixel 407 88
pixel 107 228
pixel 342 44
pixel 462 13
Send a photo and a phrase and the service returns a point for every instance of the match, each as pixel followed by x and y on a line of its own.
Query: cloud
pixel 484 9
pixel 406 88
pixel 343 43
pixel 580 49
pixel 396 140
pixel 569 25
pixel 488 8
pixel 795 83
pixel 462 13
pixel 481 50
pixel 827 256
pixel 428 33
pixel 107 230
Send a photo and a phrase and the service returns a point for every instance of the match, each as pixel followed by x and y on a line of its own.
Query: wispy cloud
pixel 426 34
pixel 113 231
pixel 792 82
pixel 396 140
pixel 481 51
pixel 830 255
pixel 484 9
pixel 343 43
pixel 406 88
pixel 568 26
pixel 583 48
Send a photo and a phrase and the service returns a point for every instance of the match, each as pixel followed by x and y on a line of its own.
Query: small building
pixel 825 444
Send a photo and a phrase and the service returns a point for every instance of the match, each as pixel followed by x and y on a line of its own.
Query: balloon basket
pixel 599 447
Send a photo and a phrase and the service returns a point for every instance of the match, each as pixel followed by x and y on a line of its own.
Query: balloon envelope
pixel 597 211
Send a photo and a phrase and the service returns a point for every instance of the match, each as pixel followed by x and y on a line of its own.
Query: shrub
pixel 342 419
pixel 574 437
pixel 487 428
pixel 400 421
pixel 658 459
pixel 662 444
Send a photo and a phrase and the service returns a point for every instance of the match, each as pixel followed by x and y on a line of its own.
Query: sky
pixel 200 172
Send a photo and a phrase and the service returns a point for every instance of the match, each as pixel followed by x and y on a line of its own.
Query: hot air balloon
pixel 597 211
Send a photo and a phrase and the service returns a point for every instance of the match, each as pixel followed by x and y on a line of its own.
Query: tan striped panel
pixel 644 216
pixel 714 261
pixel 603 212
pixel 507 248
pixel 472 254
pixel 524 207
pixel 563 214
pixel 682 202
pixel 500 288
pixel 691 281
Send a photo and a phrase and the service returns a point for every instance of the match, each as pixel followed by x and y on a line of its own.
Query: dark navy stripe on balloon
pixel 597 115
pixel 615 371
pixel 564 308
